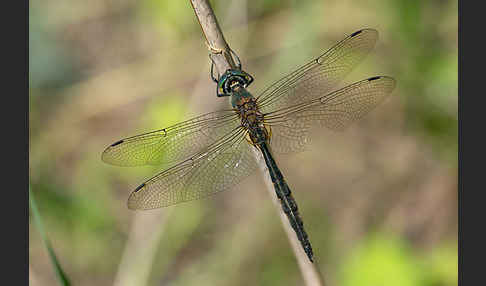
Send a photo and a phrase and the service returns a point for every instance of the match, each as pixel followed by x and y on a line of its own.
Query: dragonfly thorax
pixel 252 119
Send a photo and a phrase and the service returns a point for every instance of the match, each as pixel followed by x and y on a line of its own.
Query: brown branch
pixel 221 56
pixel 220 51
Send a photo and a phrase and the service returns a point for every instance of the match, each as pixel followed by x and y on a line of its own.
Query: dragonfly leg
pixel 235 56
pixel 212 70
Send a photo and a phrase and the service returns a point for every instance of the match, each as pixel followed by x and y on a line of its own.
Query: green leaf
pixel 63 279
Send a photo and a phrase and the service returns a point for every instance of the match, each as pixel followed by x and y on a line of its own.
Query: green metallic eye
pixel 230 78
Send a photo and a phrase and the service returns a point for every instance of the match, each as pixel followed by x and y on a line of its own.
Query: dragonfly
pixel 214 152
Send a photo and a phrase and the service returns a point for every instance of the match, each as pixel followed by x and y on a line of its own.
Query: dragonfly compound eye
pixel 231 79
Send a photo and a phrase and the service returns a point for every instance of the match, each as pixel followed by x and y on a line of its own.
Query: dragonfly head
pixel 232 79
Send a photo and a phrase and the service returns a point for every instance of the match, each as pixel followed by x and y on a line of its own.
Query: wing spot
pixel 374 78
pixel 116 143
pixel 139 188
pixel 356 33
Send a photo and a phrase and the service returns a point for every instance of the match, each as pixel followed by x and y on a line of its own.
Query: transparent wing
pixel 218 167
pixel 312 80
pixel 335 111
pixel 171 144
pixel 321 74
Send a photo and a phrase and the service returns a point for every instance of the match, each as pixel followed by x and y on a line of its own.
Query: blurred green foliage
pixel 384 259
pixel 379 201
pixel 433 59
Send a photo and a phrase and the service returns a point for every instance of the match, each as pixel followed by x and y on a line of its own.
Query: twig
pixel 220 50
pixel 140 249
pixel 222 60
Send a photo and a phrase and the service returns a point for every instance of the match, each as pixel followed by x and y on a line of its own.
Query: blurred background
pixel 379 200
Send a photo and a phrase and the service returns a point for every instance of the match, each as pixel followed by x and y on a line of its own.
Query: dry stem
pixel 222 59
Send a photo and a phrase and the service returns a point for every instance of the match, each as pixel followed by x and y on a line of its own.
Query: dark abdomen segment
pixel 289 205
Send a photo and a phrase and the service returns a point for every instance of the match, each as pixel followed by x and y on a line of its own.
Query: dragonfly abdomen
pixel 289 206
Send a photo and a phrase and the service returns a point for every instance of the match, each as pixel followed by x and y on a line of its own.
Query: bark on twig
pixel 220 52
pixel 221 56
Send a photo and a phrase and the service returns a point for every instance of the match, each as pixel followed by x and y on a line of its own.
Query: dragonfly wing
pixel 310 81
pixel 219 167
pixel 171 144
pixel 335 111
pixel 320 75
pixel 290 134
